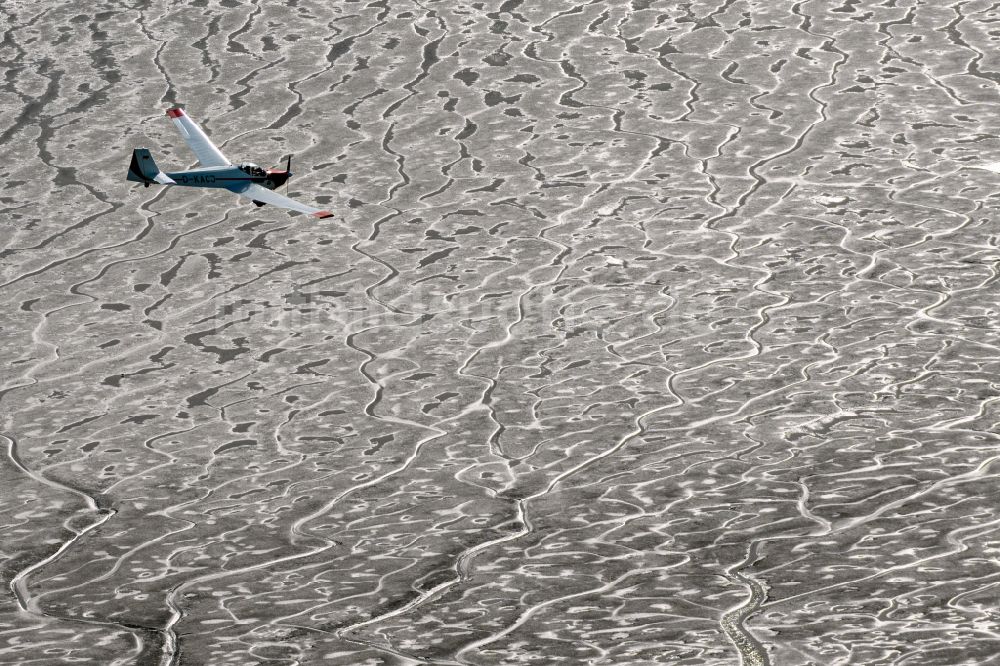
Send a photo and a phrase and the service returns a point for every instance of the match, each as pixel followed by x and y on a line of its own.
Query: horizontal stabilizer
pixel 143 169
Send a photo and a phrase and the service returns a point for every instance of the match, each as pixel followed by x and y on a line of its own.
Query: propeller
pixel 287 172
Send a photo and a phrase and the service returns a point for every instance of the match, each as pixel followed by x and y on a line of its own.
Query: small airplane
pixel 247 179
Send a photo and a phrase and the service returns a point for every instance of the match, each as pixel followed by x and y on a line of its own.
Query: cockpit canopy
pixel 252 169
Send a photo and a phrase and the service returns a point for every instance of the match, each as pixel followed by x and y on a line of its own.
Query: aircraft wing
pixel 255 192
pixel 206 152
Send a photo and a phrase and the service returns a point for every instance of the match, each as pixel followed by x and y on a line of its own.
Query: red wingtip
pixel 175 113
pixel 322 214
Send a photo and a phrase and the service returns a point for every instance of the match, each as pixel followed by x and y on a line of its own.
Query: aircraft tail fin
pixel 144 170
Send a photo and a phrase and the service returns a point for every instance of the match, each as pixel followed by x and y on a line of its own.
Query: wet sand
pixel 645 333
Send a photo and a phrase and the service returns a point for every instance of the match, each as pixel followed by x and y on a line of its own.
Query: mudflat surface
pixel 645 333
